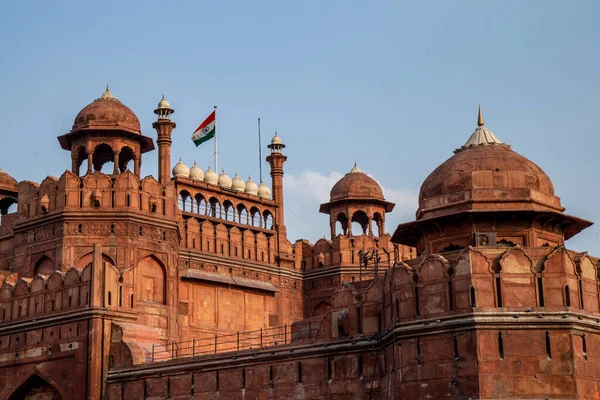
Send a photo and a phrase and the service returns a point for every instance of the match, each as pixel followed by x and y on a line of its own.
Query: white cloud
pixel 304 193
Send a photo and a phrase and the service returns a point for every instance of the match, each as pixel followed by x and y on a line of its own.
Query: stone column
pixel 136 166
pixel 74 164
pixel 90 162
pixel 116 162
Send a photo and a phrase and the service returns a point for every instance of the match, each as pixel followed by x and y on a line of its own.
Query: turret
pixel 276 160
pixel 164 128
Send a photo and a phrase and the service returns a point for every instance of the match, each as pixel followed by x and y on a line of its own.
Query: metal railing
pixel 228 342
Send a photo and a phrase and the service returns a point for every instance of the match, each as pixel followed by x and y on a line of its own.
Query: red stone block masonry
pixel 117 286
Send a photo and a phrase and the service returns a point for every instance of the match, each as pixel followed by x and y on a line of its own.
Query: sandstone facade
pixel 126 287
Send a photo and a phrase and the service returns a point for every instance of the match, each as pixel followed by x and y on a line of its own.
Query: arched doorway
pixel 35 388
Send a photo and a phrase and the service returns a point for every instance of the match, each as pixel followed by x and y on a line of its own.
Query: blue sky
pixel 393 85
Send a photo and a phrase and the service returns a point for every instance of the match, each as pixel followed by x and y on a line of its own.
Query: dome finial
pixel 480 118
pixel 482 136
pixel 355 169
pixel 107 94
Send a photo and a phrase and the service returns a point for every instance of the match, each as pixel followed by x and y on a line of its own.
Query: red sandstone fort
pixel 186 286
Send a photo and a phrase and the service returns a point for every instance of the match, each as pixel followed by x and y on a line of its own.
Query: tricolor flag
pixel 205 131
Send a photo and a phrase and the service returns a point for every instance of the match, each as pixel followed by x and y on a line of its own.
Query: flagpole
pixel 259 153
pixel 216 147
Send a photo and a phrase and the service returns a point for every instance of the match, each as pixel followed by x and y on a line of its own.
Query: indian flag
pixel 205 131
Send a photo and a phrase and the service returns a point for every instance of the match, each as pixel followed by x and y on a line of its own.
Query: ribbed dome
pixel 163 103
pixel 224 180
pixel 356 185
pixel 7 182
pixel 210 176
pixel 276 139
pixel 106 112
pixel 238 183
pixel 196 173
pixel 264 191
pixel 181 170
pixel 486 174
pixel 251 187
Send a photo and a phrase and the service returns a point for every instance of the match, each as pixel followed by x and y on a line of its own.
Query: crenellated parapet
pixel 95 191
pixel 347 250
pixel 24 298
pixel 472 282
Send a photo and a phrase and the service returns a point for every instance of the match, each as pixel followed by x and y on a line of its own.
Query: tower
pixel 164 127
pixel 276 160
pixel 106 131
pixel 357 198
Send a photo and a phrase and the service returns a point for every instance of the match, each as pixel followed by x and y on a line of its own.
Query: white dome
pixel 181 170
pixel 264 191
pixel 224 180
pixel 276 139
pixel 163 103
pixel 238 183
pixel 196 173
pixel 251 187
pixel 210 176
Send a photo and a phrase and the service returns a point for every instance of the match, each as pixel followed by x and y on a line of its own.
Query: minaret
pixel 164 127
pixel 276 160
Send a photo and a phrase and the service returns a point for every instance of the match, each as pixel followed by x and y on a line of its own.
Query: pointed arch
pixel 44 266
pixel 378 219
pixel 152 277
pixel 255 218
pixel 321 308
pixel 37 385
pixel 341 221
pixel 242 214
pixel 86 259
pixel 360 220
pixel 184 201
pixel 215 207
pixel 267 220
pixel 103 154
pixel 126 155
pixel 200 204
pixel 228 211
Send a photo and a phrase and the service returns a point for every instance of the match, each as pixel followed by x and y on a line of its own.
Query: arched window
pixel 378 221
pixel 341 224
pixel 242 214
pixel 125 157
pixel 360 223
pixel 228 211
pixel 254 216
pixel 215 208
pixel 200 204
pixel 267 220
pixel 81 158
pixel 104 157
pixel 185 203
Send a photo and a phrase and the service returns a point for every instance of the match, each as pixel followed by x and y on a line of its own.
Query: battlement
pixel 95 191
pixel 23 298
pixel 474 280
pixel 345 250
